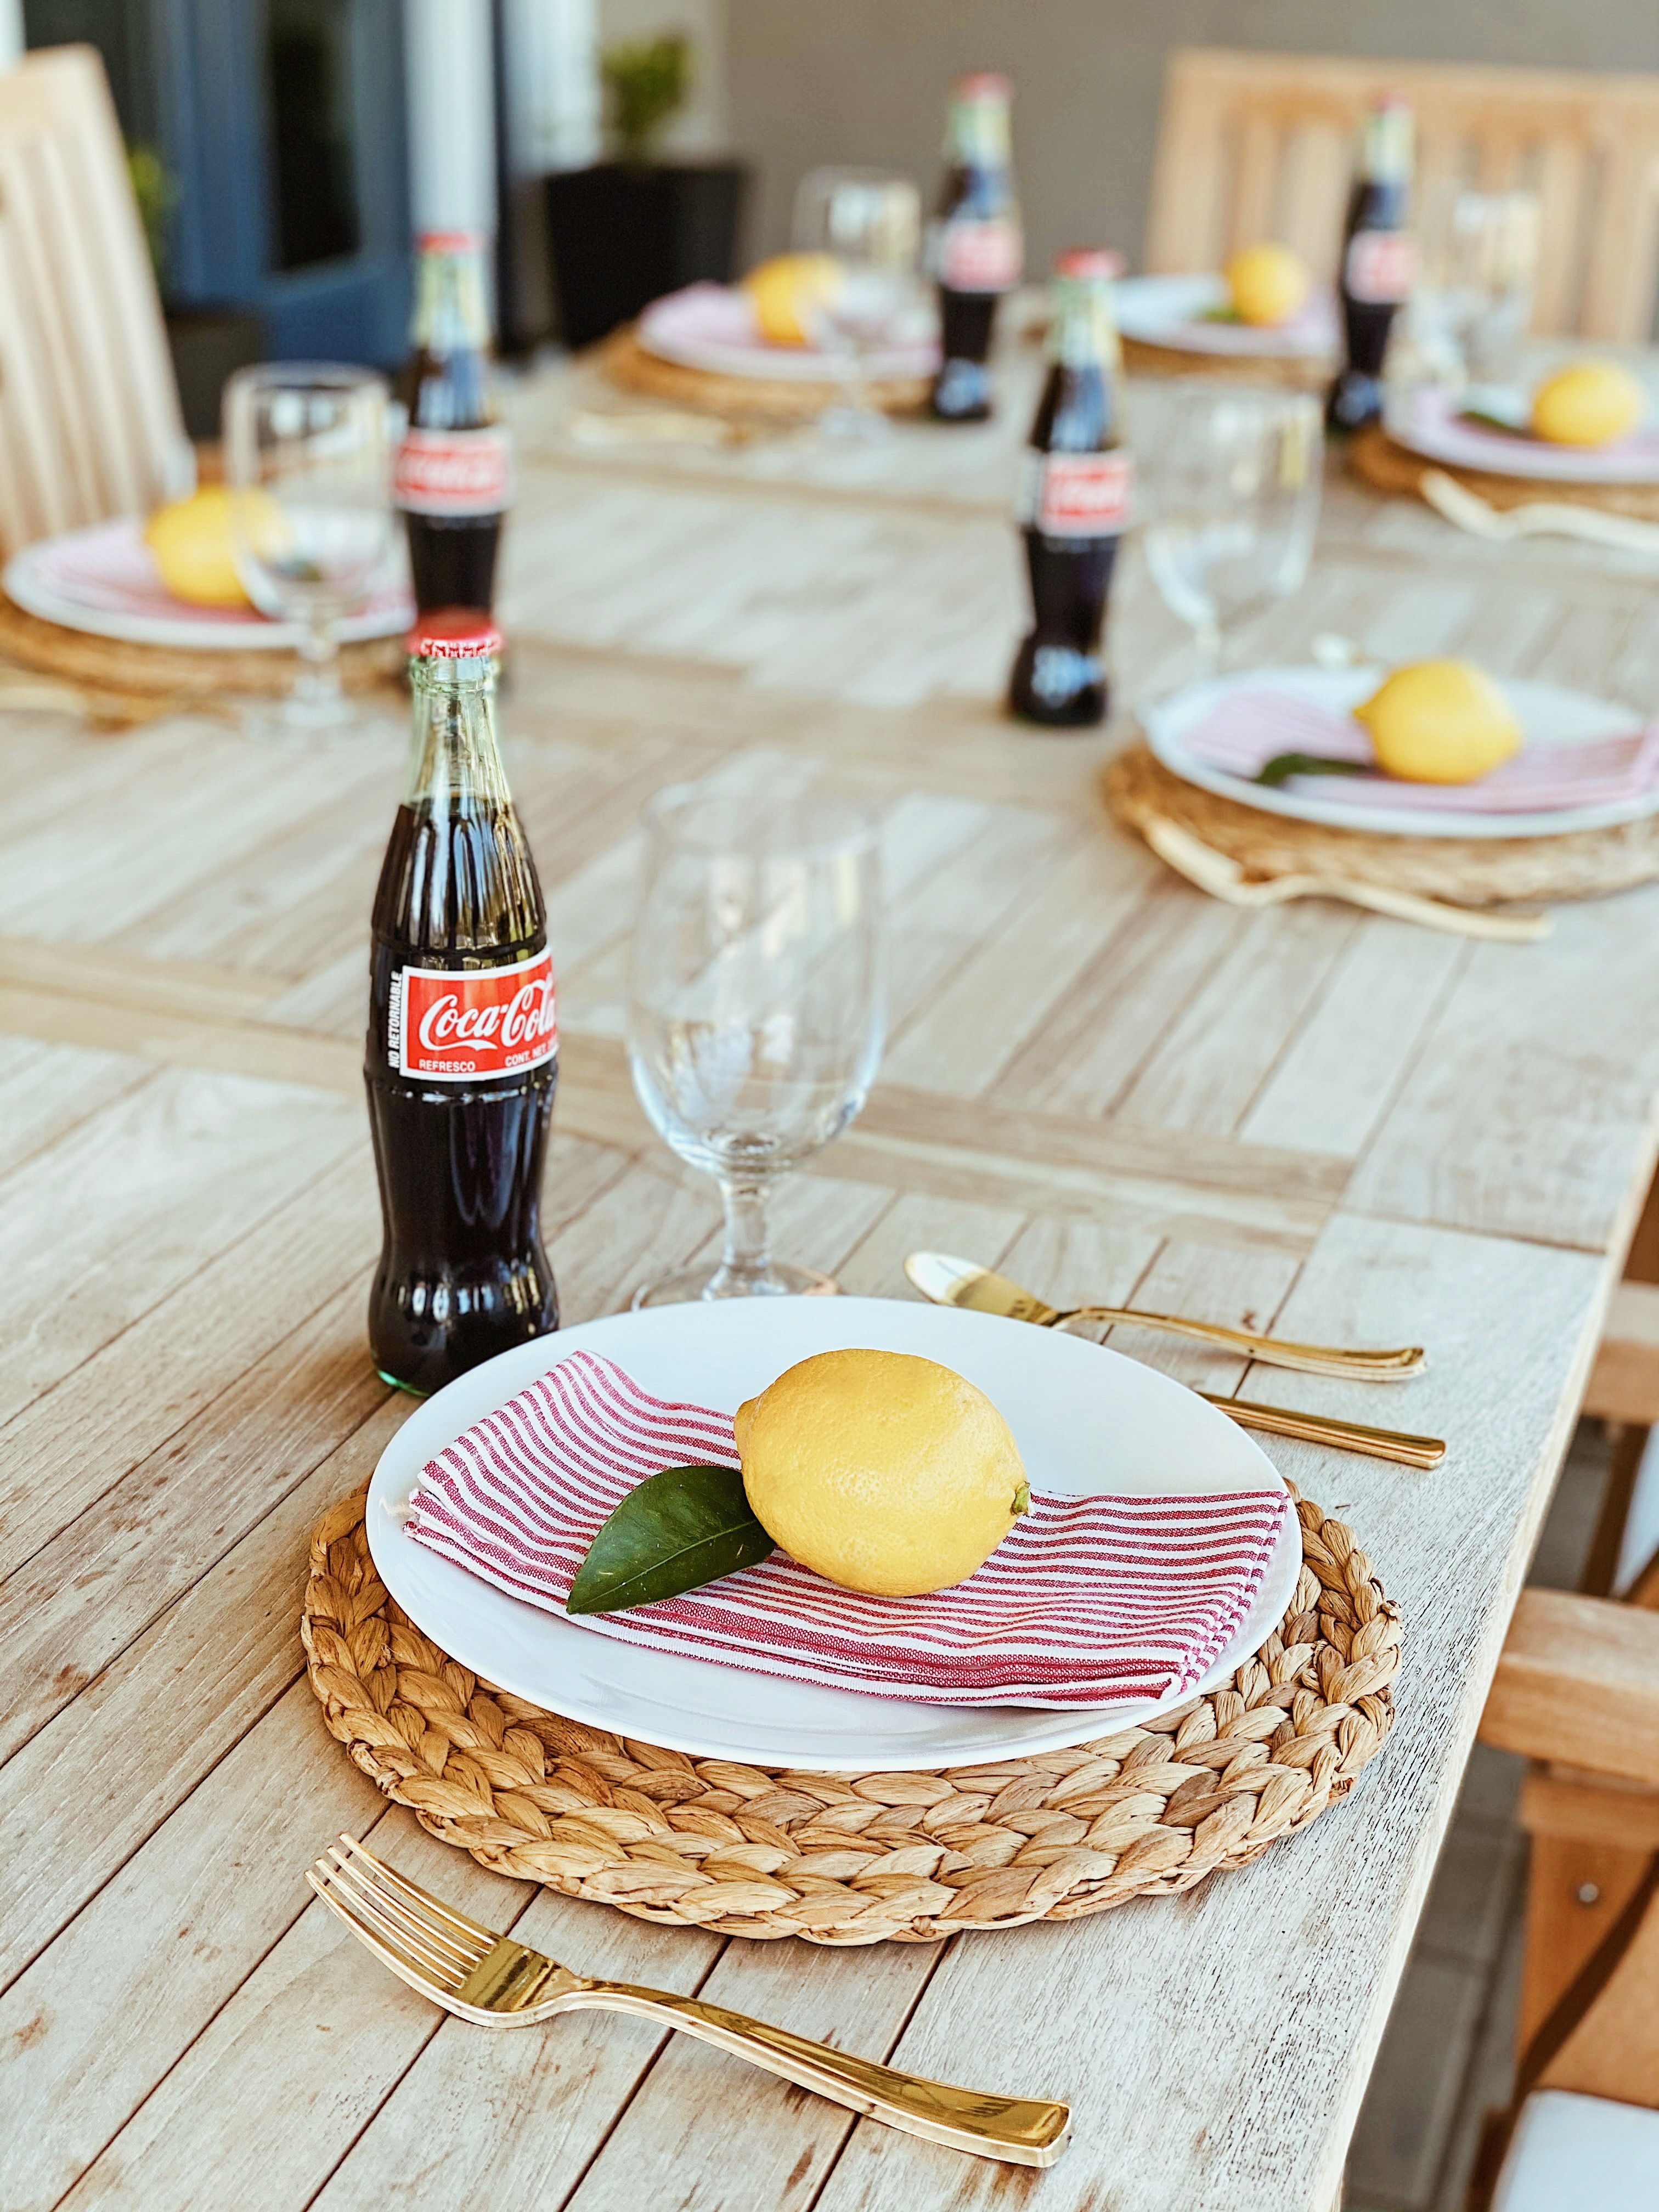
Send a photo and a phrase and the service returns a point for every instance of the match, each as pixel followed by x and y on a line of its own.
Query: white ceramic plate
pixel 1085 1419
pixel 1169 311
pixel 104 581
pixel 1428 421
pixel 712 326
pixel 1548 714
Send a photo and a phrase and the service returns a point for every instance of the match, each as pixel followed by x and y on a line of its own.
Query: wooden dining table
pixel 1309 1120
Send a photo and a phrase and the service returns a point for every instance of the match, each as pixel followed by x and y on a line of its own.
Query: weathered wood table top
pixel 1307 1118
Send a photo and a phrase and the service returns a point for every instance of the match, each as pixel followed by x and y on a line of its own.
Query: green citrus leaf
pixel 1283 766
pixel 675 1531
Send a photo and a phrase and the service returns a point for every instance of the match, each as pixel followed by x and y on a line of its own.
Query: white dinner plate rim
pixel 478 1625
pixel 1167 722
pixel 1538 462
pixel 1159 310
pixel 36 595
pixel 797 364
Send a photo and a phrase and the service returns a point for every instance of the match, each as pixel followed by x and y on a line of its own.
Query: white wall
pixel 11 32
pixel 452 114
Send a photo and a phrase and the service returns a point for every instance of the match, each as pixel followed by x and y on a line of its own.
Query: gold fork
pixel 480 1976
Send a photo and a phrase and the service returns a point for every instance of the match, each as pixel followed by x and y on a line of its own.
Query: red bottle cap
pixel 449 241
pixel 1097 261
pixel 453 634
pixel 984 84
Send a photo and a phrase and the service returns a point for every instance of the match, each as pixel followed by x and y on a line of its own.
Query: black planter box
pixel 622 236
pixel 208 344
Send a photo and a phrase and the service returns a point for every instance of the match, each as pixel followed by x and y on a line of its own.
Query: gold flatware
pixel 959 1283
pixel 1457 504
pixel 1397 1445
pixel 950 1282
pixel 496 1982
pixel 1223 878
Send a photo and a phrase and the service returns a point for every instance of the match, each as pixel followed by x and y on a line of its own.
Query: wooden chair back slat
pixel 1254 145
pixel 90 420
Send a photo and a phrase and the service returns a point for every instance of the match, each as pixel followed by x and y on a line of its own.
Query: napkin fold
pixel 1088 1601
pixel 1246 728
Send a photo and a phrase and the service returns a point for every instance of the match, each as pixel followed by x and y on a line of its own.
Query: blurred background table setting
pixel 1008 1026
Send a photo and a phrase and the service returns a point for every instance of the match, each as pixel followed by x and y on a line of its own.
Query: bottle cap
pixel 1090 261
pixel 449 241
pixel 983 84
pixel 453 634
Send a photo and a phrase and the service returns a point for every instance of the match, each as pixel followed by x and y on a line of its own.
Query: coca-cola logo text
pixel 454 471
pixel 980 257
pixel 1380 267
pixel 462 1026
pixel 1077 494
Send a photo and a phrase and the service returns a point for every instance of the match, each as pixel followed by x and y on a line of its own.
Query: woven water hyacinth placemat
pixel 1379 461
pixel 1285 372
pixel 1468 871
pixel 848 1859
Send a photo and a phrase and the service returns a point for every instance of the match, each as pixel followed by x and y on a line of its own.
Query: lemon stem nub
pixel 1021 1498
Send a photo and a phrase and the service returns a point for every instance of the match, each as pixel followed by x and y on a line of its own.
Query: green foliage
pixel 157 196
pixel 648 81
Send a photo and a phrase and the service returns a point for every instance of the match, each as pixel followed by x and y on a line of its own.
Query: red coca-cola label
pixel 978 257
pixel 1077 494
pixel 454 471
pixel 466 1025
pixel 1380 267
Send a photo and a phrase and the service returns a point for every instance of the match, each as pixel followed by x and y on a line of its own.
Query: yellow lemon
pixel 786 289
pixel 885 1473
pixel 190 539
pixel 1590 404
pixel 1268 283
pixel 1440 721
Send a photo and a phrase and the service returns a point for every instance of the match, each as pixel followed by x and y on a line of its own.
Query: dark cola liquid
pixel 463 1273
pixel 962 390
pixel 1356 397
pixel 451 559
pixel 1058 677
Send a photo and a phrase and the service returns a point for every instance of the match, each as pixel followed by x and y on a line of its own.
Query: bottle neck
pixel 451 313
pixel 1083 334
pixel 455 762
pixel 1387 149
pixel 976 135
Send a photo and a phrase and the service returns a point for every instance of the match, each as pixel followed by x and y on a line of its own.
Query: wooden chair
pixel 89 419
pixel 1254 146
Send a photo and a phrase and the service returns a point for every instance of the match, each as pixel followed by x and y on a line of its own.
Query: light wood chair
pixel 1254 146
pixel 90 420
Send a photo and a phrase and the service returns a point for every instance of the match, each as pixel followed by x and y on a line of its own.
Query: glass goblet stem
pixel 745 1268
pixel 318 683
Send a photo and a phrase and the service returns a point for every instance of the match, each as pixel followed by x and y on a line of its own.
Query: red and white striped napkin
pixel 1247 729
pixel 1086 1601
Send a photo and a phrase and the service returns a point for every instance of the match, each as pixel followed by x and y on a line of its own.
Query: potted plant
pixel 623 231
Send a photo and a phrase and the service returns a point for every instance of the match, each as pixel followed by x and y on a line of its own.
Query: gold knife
pixel 973 1289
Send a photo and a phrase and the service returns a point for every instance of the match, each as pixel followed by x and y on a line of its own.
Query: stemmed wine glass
pixel 868 222
pixel 1233 490
pixel 308 459
pixel 755 1005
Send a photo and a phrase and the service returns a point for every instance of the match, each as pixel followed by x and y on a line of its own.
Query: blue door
pixel 283 124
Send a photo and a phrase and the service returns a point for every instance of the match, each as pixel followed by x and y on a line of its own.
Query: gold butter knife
pixel 950 1282
pixel 960 1283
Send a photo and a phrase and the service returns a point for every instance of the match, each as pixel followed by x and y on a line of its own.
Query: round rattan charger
pixel 767 398
pixel 1285 372
pixel 129 683
pixel 1378 461
pixel 849 1859
pixel 1464 871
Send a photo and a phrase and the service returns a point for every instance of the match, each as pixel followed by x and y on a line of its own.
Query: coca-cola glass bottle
pixel 453 475
pixel 1379 263
pixel 1074 502
pixel 976 250
pixel 461 1059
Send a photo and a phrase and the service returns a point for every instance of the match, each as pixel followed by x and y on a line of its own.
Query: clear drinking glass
pixel 1232 488
pixel 756 1004
pixel 869 222
pixel 307 458
pixel 1472 300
